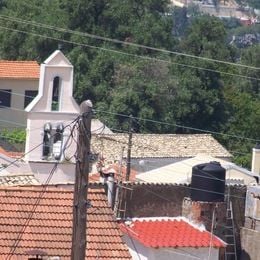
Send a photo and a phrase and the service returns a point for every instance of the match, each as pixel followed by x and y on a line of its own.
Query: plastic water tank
pixel 208 182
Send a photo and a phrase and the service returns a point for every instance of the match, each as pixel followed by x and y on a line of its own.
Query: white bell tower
pixel 50 112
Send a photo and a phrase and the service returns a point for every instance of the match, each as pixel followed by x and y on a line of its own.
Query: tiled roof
pixel 119 172
pixel 10 153
pixel 169 232
pixel 18 180
pixel 19 69
pixel 50 227
pixel 157 145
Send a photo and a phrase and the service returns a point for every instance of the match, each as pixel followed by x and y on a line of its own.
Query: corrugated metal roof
pixel 180 172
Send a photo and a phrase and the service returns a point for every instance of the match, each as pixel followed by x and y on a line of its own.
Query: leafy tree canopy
pixel 124 79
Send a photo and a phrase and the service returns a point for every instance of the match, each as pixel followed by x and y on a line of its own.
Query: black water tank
pixel 208 182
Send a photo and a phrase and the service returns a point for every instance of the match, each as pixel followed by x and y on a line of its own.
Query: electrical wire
pixel 16 243
pixel 129 54
pixel 31 213
pixel 211 233
pixel 35 147
pixel 180 126
pixel 16 93
pixel 190 188
pixel 133 243
pixel 97 37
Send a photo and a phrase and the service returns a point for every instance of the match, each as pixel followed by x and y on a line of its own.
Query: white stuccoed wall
pixel 39 110
pixel 16 114
pixel 39 113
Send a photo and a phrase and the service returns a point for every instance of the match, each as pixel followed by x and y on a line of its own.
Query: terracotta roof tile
pixel 157 145
pixel 19 69
pixel 119 174
pixel 169 233
pixel 10 154
pixel 50 227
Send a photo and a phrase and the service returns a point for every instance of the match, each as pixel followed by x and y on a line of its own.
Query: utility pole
pixel 80 204
pixel 130 132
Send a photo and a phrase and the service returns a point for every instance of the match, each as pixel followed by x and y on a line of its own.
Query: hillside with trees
pixel 107 42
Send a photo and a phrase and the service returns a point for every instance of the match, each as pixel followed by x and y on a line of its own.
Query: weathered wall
pixel 250 241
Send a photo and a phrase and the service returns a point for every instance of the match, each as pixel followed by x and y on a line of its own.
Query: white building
pixel 19 82
pixel 50 117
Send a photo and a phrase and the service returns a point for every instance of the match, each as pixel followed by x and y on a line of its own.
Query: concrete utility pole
pixel 130 131
pixel 78 250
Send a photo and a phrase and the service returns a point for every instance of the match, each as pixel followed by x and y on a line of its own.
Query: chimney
pixel 255 168
pixel 110 189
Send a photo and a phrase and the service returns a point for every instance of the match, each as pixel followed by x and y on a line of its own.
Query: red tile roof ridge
pixel 151 235
pixel 200 227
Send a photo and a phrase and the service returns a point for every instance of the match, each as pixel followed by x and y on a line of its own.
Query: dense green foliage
pixel 125 79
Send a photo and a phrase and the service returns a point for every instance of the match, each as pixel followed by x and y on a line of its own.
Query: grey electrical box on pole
pixel 78 250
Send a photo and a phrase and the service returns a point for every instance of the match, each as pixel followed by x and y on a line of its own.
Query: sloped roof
pixel 169 232
pixel 119 172
pixel 50 227
pixel 18 180
pixel 181 172
pixel 157 145
pixel 10 153
pixel 19 69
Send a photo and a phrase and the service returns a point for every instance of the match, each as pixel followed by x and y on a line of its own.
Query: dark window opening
pixel 29 96
pixel 52 142
pixel 5 98
pixel 46 151
pixel 55 94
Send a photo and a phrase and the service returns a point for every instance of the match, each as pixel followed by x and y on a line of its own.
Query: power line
pixel 159 122
pixel 185 186
pixel 35 147
pixel 180 126
pixel 129 54
pixel 97 37
pixel 31 213
pixel 13 123
pixel 16 93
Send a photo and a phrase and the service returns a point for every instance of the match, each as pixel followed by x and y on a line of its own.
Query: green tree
pixel 244 121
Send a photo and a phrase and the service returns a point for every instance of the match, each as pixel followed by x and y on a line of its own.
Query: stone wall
pixel 250 241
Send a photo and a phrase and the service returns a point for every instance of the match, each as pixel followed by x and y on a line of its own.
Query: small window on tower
pixel 55 94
